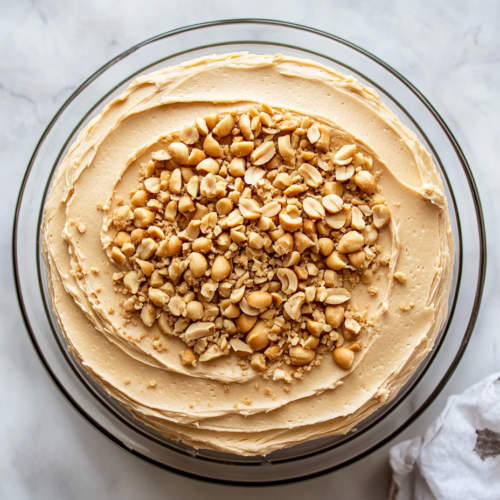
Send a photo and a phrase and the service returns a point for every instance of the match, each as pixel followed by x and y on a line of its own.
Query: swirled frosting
pixel 225 403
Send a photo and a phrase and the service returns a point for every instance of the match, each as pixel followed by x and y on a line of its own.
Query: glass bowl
pixel 315 457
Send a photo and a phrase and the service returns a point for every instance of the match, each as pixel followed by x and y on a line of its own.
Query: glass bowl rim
pixel 445 129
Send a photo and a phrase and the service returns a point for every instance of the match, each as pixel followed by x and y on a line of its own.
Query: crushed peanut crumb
pixel 407 307
pixel 401 277
pixel 81 227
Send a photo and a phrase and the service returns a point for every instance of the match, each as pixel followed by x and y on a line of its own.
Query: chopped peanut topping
pixel 245 234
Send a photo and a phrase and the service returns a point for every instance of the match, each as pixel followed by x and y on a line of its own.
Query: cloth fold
pixel 458 457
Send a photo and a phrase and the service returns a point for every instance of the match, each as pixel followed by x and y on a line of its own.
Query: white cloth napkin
pixel 459 455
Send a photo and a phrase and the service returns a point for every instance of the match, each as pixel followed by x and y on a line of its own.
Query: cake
pixel 248 251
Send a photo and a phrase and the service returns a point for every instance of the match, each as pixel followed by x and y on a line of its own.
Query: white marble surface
pixel 450 50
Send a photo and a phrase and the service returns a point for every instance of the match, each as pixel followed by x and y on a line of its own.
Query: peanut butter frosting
pixel 248 251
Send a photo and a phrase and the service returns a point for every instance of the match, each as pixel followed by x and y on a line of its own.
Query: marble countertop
pixel 449 50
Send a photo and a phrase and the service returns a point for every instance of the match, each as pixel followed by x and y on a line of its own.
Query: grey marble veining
pixel 450 50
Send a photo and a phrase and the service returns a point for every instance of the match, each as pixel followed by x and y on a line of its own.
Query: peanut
pixel 284 244
pixel 381 216
pixel 224 206
pixel 343 357
pixel 131 282
pixel 202 245
pixel 186 204
pixel 198 264
pixel 245 323
pixel 240 149
pixel 357 258
pixel 208 166
pixel 365 181
pixel 187 357
pixel 326 246
pixel 258 362
pixel 211 120
pixel 334 316
pixel 143 217
pixel 350 242
pixel 224 126
pixel 118 256
pixel 300 356
pixel 260 300
pixel 282 181
pixel 212 147
pixel 179 152
pixel 128 249
pixel 336 261
pixel 169 247
pixel 314 327
pixel 257 338
pixel 237 167
pixel 139 199
pixel 221 269
pixel 370 235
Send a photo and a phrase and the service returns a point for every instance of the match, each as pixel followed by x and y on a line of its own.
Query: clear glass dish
pixel 301 461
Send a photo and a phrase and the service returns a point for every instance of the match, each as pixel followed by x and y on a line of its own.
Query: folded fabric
pixel 458 457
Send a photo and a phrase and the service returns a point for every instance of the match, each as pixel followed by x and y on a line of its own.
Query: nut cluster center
pixel 247 232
